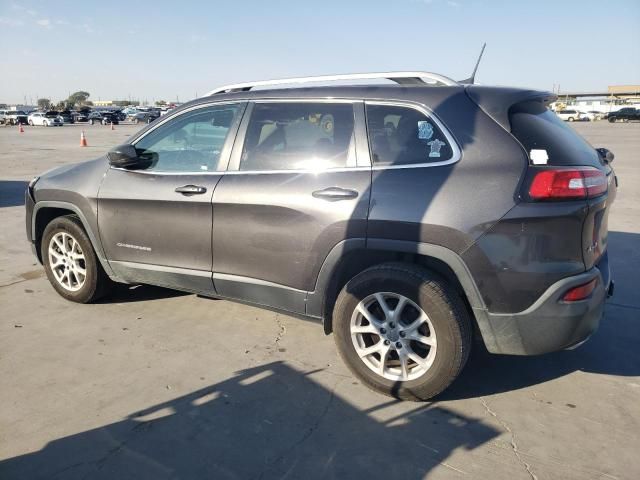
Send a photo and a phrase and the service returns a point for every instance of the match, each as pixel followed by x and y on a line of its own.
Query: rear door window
pixel 299 136
pixel 538 128
pixel 400 135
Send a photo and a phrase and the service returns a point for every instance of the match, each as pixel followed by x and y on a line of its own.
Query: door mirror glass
pixel 126 156
pixel 605 154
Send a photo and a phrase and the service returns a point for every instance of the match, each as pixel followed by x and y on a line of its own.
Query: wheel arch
pixel 46 211
pixel 353 256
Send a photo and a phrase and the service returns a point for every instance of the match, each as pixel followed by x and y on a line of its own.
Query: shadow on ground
pixel 139 293
pixel 271 421
pixel 12 193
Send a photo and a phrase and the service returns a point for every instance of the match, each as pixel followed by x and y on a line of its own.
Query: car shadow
pixel 270 421
pixel 12 193
pixel 123 293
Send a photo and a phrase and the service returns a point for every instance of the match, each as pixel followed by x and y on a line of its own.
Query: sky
pixel 169 50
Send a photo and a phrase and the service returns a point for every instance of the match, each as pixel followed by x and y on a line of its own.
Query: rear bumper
pixel 549 324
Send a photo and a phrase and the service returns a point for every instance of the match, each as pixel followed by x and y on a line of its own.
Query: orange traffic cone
pixel 20 129
pixel 112 126
pixel 83 140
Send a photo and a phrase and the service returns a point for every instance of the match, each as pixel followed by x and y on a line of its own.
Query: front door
pixel 294 190
pixel 155 224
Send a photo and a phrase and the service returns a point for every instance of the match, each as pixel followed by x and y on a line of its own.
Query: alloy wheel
pixel 393 336
pixel 67 261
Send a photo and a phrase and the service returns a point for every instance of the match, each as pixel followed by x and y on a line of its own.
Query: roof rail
pixel 403 78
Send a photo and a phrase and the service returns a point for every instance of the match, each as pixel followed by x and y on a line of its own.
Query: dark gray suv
pixel 407 218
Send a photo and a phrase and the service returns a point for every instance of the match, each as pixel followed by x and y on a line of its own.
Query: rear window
pixel 538 128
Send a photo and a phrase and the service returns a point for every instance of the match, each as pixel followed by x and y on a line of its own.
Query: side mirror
pixel 605 154
pixel 126 156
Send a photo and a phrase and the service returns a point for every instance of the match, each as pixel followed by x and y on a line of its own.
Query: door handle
pixel 335 193
pixel 191 190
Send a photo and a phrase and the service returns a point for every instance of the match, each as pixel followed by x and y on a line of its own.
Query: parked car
pixel 81 116
pixel 13 117
pixel 358 207
pixel 624 115
pixel 94 117
pixel 109 118
pixel 67 117
pixel 46 119
pixel 145 117
pixel 569 115
pixel 120 115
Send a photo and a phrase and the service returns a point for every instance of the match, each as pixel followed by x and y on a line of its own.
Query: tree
pixel 160 103
pixel 78 98
pixel 44 103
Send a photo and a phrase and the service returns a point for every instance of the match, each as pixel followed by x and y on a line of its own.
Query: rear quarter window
pixel 538 128
pixel 401 135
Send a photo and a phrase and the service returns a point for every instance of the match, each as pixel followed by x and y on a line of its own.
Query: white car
pixel 50 119
pixel 569 115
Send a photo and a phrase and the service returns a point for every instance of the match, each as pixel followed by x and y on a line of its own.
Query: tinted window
pixel 299 136
pixel 191 142
pixel 536 127
pixel 404 136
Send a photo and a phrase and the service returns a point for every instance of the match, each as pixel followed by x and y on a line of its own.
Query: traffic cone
pixel 20 129
pixel 83 140
pixel 112 126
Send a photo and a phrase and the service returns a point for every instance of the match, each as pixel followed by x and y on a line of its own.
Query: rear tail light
pixel 580 292
pixel 567 183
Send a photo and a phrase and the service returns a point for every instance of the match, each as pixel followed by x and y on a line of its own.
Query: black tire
pixel 570 119
pixel 612 119
pixel 437 298
pixel 96 283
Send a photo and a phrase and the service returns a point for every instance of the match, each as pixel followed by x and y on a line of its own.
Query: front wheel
pixel 570 119
pixel 402 330
pixel 70 262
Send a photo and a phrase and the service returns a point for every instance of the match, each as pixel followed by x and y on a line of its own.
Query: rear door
pixel 155 224
pixel 297 186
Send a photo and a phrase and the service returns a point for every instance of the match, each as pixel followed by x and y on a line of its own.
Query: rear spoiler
pixel 496 101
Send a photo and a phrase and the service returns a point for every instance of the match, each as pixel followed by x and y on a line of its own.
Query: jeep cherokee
pixel 407 218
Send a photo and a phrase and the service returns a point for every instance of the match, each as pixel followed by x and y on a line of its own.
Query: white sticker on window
pixel 425 130
pixel 435 145
pixel 539 156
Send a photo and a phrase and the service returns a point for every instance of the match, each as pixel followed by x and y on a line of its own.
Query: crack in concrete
pixel 310 431
pixel 514 444
pixel 282 329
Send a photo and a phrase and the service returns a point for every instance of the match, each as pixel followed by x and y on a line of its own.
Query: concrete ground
pixel 157 384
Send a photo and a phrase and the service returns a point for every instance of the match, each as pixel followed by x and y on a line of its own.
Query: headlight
pixel 31 184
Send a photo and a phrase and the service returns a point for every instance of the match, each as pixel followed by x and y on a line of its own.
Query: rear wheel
pixel 402 331
pixel 70 262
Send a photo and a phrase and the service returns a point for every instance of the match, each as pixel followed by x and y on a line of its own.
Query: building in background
pixel 612 100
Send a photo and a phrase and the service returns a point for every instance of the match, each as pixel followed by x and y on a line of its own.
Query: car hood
pixel 68 171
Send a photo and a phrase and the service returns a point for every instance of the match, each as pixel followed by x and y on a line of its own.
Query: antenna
pixel 472 78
